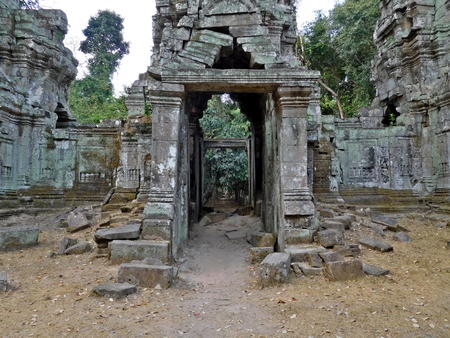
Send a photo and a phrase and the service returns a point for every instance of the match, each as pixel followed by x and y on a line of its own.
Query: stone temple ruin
pixel 245 48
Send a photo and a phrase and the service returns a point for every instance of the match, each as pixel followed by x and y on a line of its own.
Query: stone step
pixel 18 237
pixel 123 251
pixel 298 236
pixel 300 253
pixel 145 275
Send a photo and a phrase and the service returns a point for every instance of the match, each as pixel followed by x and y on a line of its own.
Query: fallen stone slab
pixel 18 237
pixel 330 237
pixel 300 253
pixel 344 270
pixel 389 222
pixel 346 220
pixel 306 269
pixel 78 249
pixel 123 251
pixel 402 237
pixel 66 243
pixel 128 231
pixel 374 270
pixel 257 255
pixel 326 213
pixel 114 290
pixel 262 239
pixel 150 276
pixel 274 269
pixel 375 244
pixel 4 285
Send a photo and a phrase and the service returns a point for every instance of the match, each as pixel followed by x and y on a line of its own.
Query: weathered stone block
pixel 298 236
pixel 330 237
pixel 300 253
pixel 274 269
pixel 115 290
pixel 145 275
pixel 374 270
pixel 257 255
pixel 326 213
pixel 4 286
pixel 77 221
pixel 346 220
pixel 159 211
pixel 306 269
pixel 262 239
pixel 344 270
pixel 128 231
pixel 329 224
pixel 156 230
pixel 314 260
pixel 65 243
pixel 331 256
pixel 127 251
pixel 18 237
pixel 376 244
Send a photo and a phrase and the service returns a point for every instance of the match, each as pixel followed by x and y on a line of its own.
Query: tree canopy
pixel 341 46
pixel 91 98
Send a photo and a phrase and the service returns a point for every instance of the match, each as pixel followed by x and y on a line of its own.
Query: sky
pixel 137 16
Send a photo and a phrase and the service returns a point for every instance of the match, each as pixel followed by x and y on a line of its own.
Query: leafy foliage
pixel 228 168
pixel 29 4
pixel 91 98
pixel 341 46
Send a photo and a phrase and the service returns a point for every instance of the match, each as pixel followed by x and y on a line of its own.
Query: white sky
pixel 137 16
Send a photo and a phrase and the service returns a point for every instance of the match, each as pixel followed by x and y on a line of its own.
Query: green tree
pixel 91 98
pixel 228 168
pixel 341 46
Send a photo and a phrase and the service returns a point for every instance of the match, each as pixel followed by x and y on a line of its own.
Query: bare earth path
pixel 217 296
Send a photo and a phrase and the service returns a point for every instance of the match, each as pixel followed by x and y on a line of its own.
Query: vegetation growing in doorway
pixel 227 169
pixel 91 99
pixel 341 46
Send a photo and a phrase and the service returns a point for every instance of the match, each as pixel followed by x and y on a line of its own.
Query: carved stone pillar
pixel 296 200
pixel 160 212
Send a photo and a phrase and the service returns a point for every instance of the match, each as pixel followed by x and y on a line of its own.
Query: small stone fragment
pixel 4 286
pixel 78 249
pixel 257 255
pixel 65 243
pixel 115 290
pixel 374 270
pixel 376 244
pixel 331 256
pixel 128 231
pixel 314 260
pixel 306 269
pixel 77 221
pixel 402 237
pixel 330 224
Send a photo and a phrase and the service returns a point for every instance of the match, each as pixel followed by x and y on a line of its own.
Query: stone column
pixel 297 206
pixel 160 216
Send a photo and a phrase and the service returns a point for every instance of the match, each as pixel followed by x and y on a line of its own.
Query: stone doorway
pixel 276 100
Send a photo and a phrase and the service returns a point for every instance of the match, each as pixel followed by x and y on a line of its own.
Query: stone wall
pixel 402 142
pixel 45 157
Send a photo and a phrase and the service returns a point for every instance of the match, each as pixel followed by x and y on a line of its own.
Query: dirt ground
pixel 217 295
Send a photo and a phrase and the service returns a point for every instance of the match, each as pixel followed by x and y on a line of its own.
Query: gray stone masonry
pixel 126 251
pixel 18 237
pixel 274 269
pixel 145 275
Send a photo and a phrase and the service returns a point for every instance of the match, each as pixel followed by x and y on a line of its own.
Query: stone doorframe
pixel 167 209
